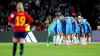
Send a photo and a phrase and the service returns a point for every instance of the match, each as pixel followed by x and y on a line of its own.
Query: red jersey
pixel 19 21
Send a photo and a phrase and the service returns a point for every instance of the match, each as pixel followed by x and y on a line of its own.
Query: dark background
pixel 87 8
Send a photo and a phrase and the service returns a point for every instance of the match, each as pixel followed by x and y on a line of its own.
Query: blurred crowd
pixel 43 11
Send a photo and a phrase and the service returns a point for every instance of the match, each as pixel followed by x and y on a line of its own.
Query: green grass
pixel 40 49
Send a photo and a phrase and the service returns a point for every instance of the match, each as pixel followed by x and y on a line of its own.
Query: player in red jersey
pixel 19 25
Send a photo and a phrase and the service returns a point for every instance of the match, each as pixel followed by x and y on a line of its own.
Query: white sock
pixel 86 39
pixel 54 39
pixel 83 41
pixel 67 43
pixel 61 39
pixel 75 40
pixel 64 40
pixel 69 40
pixel 89 39
pixel 80 39
pixel 58 38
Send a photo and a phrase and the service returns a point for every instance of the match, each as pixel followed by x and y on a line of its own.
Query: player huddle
pixel 69 29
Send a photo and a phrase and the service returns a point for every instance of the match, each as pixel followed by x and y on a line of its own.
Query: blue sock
pixel 14 49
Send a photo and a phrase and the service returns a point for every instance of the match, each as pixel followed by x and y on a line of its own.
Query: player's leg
pixel 48 37
pixel 54 34
pixel 64 39
pixel 15 41
pixel 67 35
pixel 73 35
pixel 86 35
pixel 55 39
pixel 83 41
pixel 22 38
pixel 77 34
pixel 58 38
pixel 61 39
pixel 59 34
pixel 70 39
pixel 77 38
pixel 89 38
pixel 81 32
pixel 70 35
pixel 67 43
pixel 21 46
pixel 89 35
pixel 74 38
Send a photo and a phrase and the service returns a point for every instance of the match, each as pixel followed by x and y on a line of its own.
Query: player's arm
pixel 72 21
pixel 30 19
pixel 10 19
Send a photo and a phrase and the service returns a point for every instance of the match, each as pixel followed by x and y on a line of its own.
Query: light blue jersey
pixel 59 26
pixel 68 27
pixel 53 28
pixel 76 27
pixel 83 26
pixel 89 29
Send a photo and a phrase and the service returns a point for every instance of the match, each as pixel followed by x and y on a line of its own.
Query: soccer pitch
pixel 40 49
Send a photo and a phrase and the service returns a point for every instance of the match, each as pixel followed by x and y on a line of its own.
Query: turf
pixel 40 49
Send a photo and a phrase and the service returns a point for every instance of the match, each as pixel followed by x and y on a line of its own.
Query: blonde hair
pixel 20 7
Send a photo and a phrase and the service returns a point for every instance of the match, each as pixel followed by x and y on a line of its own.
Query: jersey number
pixel 20 20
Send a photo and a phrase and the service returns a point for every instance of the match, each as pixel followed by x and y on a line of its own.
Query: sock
pixel 89 39
pixel 48 39
pixel 64 40
pixel 61 39
pixel 54 40
pixel 80 39
pixel 86 39
pixel 83 41
pixel 75 40
pixel 58 38
pixel 70 42
pixel 52 36
pixel 72 39
pixel 14 49
pixel 67 43
pixel 21 49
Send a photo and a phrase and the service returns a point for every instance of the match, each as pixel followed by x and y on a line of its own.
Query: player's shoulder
pixel 14 12
pixel 25 12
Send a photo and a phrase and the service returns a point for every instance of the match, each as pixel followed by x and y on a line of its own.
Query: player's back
pixel 54 25
pixel 59 24
pixel 88 25
pixel 19 21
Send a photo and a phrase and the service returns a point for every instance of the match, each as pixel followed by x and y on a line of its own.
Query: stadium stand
pixel 43 11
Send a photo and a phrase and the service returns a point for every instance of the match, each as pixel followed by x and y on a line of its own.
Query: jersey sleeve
pixel 30 19
pixel 10 18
